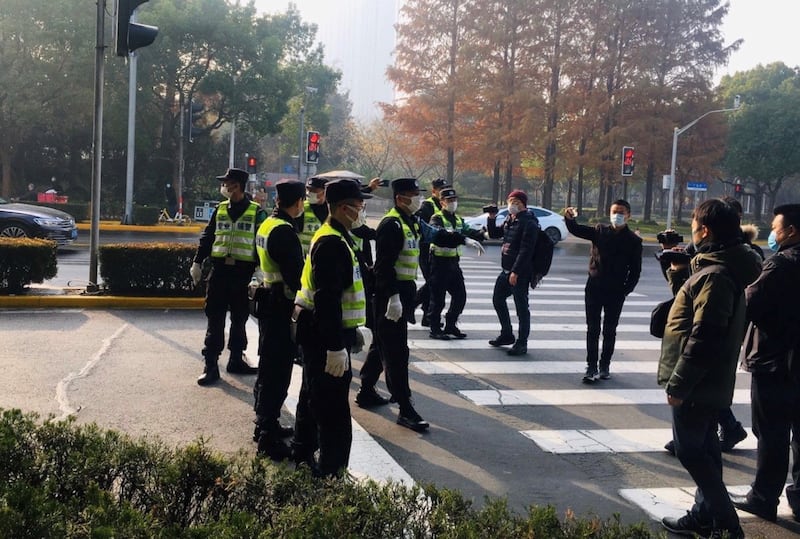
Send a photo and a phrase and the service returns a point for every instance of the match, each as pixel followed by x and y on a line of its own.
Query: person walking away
pixel 229 240
pixel 429 207
pixel 772 355
pixel 615 264
pixel 332 292
pixel 519 232
pixel 697 367
pixel 281 260
pixel 445 272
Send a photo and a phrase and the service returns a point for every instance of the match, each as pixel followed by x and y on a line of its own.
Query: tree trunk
pixel 496 182
pixel 579 190
pixel 5 158
pixel 648 191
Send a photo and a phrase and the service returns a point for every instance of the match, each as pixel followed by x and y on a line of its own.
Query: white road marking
pixel 534 344
pixel 536 310
pixel 528 367
pixel 592 395
pixel 537 327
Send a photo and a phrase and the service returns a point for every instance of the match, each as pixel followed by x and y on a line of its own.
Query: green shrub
pixel 146 215
pixel 24 261
pixel 148 269
pixel 60 479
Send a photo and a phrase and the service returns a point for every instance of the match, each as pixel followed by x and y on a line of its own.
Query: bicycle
pixel 179 218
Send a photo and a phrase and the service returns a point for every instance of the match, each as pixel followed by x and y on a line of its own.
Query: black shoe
pixel 729 438
pixel 439 335
pixel 605 374
pixel 210 376
pixel 426 321
pixel 238 365
pixel 686 525
pixel 369 398
pixel 502 340
pixel 280 431
pixel 755 506
pixel 410 419
pixel 454 332
pixel 591 376
pixel 273 447
pixel 519 349
pixel 670 447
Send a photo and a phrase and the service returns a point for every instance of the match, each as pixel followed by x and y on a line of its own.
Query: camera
pixel 669 237
pixel 674 256
pixel 490 208
pixel 384 183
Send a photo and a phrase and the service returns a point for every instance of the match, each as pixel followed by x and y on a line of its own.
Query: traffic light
pixel 738 190
pixel 252 164
pixel 129 36
pixel 627 160
pixel 194 113
pixel 312 147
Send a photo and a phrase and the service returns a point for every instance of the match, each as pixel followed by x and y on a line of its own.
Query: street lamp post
pixel 675 134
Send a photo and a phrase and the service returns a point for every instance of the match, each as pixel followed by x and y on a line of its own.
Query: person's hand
pixel 196 272
pixel 512 279
pixel 570 213
pixel 394 309
pixel 673 401
pixel 336 362
pixel 374 183
pixel 469 242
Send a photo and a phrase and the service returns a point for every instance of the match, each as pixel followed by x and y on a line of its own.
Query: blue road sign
pixel 697 186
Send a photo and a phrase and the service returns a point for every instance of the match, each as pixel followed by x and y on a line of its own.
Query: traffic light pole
pixel 97 145
pixel 300 148
pixel 131 152
pixel 677 132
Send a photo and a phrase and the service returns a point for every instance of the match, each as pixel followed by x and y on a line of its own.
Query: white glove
pixel 336 362
pixel 258 277
pixel 363 340
pixel 196 272
pixel 469 242
pixel 394 310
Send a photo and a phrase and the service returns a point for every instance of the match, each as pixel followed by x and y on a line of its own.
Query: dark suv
pixel 28 221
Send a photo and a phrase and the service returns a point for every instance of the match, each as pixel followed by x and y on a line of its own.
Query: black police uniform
pixel 276 350
pixel 423 296
pixel 227 289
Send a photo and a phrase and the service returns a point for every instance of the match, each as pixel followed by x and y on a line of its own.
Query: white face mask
pixel 415 203
pixel 617 219
pixel 361 218
pixel 513 209
pixel 452 206
pixel 223 190
pixel 313 198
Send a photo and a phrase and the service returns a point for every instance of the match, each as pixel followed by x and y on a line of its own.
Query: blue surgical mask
pixel 772 241
pixel 617 219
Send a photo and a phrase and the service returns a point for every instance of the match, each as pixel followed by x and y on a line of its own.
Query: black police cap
pixel 290 191
pixel 338 190
pixel 401 185
pixel 235 174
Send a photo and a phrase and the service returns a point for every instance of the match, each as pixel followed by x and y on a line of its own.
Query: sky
pixel 358 38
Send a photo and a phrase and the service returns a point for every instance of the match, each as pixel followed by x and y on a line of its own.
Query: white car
pixel 552 223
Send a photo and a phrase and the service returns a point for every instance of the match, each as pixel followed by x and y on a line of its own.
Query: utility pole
pixel 97 145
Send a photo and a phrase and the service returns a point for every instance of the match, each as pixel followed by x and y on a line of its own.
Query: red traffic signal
pixel 252 164
pixel 627 160
pixel 312 147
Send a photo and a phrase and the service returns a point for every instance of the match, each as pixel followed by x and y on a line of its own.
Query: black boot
pixel 238 365
pixel 210 372
pixel 271 445
pixel 410 419
pixel 274 426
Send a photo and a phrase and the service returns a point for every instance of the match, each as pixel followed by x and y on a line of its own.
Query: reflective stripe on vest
pixel 310 226
pixel 451 252
pixel 406 266
pixel 354 300
pixel 236 240
pixel 272 272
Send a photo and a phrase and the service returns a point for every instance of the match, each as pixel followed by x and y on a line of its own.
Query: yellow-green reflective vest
pixel 354 300
pixel 310 226
pixel 406 266
pixel 236 240
pixel 436 250
pixel 272 272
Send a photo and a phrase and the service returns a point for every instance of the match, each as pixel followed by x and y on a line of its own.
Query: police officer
pixel 315 211
pixel 334 303
pixel 429 207
pixel 230 240
pixel 281 258
pixel 445 272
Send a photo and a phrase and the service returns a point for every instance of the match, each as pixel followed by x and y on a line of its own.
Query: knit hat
pixel 520 195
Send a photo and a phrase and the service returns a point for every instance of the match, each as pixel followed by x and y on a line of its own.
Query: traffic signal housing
pixel 194 113
pixel 252 164
pixel 312 147
pixel 627 160
pixel 129 36
pixel 738 190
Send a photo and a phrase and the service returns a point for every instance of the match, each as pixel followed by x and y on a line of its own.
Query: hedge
pixel 24 261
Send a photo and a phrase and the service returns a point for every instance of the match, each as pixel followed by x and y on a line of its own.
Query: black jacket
pixel 772 302
pixel 284 248
pixel 519 235
pixel 615 262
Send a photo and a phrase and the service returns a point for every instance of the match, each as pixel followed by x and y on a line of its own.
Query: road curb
pixel 98 302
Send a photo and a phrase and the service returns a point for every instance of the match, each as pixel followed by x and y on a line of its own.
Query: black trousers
pixel 322 419
pixel 226 291
pixel 423 297
pixel 694 430
pixel 446 277
pixel 276 353
pixel 392 348
pixel 608 304
pixel 503 289
pixel 775 401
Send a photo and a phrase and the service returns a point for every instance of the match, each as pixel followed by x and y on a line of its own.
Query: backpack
pixel 542 257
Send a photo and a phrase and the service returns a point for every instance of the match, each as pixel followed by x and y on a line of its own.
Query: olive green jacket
pixel 705 327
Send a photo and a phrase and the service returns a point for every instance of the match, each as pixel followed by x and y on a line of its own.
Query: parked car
pixel 19 220
pixel 552 223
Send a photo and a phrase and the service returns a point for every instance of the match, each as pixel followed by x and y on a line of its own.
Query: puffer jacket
pixel 519 241
pixel 705 327
pixel 775 328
